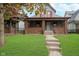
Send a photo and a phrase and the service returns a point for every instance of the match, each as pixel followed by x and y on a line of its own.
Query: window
pixel 7 24
pixel 35 24
pixel 13 24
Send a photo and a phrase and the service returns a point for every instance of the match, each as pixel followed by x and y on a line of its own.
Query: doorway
pixel 49 26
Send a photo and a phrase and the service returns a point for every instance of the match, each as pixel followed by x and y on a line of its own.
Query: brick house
pixel 46 22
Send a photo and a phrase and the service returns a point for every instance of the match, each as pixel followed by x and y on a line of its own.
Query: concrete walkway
pixel 53 45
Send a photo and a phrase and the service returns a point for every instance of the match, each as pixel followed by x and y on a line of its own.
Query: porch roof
pixel 48 18
pixel 42 18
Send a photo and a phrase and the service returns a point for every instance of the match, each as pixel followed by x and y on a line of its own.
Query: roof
pixel 74 15
pixel 51 7
pixel 47 18
pixel 42 17
pixel 69 13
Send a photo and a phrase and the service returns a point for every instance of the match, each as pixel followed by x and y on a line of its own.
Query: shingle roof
pixel 74 16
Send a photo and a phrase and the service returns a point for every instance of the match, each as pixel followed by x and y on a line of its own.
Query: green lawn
pixel 69 44
pixel 24 45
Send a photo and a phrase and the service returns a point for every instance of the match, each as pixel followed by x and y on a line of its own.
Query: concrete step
pixel 48 33
pixel 54 53
pixel 54 48
pixel 49 40
pixel 53 43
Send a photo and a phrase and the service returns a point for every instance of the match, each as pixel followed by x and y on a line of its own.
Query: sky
pixel 62 7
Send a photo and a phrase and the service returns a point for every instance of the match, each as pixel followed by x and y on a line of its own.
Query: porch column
pixel 16 26
pixel 12 30
pixel 65 26
pixel 11 27
pixel 43 25
pixel 26 26
pixel 15 29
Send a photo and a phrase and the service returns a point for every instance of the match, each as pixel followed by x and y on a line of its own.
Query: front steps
pixel 49 43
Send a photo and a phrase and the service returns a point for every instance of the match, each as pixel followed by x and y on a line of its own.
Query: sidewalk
pixel 53 45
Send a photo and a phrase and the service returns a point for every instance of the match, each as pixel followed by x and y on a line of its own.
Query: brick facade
pixel 34 30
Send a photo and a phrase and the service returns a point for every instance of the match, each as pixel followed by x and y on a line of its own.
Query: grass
pixel 24 45
pixel 69 44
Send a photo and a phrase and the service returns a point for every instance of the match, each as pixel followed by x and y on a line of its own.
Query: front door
pixel 49 26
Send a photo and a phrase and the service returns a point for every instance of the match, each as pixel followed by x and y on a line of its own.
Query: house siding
pixel 59 30
pixel 34 30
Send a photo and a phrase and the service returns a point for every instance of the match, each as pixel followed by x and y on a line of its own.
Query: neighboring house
pixel 69 13
pixel 44 22
pixel 73 22
pixel 70 25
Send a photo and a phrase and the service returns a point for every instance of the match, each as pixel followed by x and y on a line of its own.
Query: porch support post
pixel 11 27
pixel 26 26
pixel 65 27
pixel 16 27
pixel 43 25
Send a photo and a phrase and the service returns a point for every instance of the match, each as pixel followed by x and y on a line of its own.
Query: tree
pixel 3 10
pixel 1 25
pixel 8 9
pixel 39 8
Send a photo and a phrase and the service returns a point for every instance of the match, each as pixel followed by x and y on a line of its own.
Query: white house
pixel 70 26
pixel 73 22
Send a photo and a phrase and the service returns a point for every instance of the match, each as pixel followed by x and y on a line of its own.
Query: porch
pixel 58 25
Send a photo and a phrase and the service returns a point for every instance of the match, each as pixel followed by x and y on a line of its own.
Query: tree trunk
pixel 1 29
